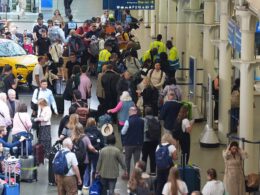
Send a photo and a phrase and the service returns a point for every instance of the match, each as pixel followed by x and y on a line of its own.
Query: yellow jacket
pixel 173 54
pixel 159 45
pixel 104 55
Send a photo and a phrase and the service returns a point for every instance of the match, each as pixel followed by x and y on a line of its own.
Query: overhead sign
pixel 234 35
pixel 129 4
pixel 257 27
pixel 46 4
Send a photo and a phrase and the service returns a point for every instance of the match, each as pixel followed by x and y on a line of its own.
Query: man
pixel 67 4
pixel 43 43
pixel 108 165
pixel 158 44
pixel 82 30
pixel 10 82
pixel 123 38
pixel 157 76
pixel 37 29
pixel 133 132
pixel 70 25
pixel 70 64
pixel 68 184
pixel 173 59
pixel 150 54
pixel 169 112
pixel 85 84
pixel 125 83
pixel 37 74
pixel 12 103
pixel 109 81
pixel 45 93
pixel 104 56
pixel 55 33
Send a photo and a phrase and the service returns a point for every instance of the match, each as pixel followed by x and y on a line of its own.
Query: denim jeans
pixel 90 170
pixel 108 185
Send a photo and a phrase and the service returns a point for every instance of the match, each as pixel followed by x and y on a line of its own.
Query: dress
pixel 234 180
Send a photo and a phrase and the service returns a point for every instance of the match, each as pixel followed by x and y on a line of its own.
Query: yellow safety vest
pixel 104 55
pixel 159 45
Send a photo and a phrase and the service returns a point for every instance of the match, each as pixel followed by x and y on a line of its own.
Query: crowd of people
pixel 139 93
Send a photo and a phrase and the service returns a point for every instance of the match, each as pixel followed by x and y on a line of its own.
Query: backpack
pixel 95 188
pixel 60 164
pixel 83 113
pixel 80 150
pixel 76 45
pixel 94 47
pixel 2 83
pixel 154 129
pixel 235 99
pixel 162 158
pixel 95 140
pixel 177 129
pixel 54 34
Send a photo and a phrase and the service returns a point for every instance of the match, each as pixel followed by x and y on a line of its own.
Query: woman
pixel 174 186
pixel 44 119
pixel 162 173
pixel 171 85
pixel 213 186
pixel 136 184
pixel 5 118
pixel 21 123
pixel 234 180
pixel 122 109
pixel 97 141
pixel 184 131
pixel 82 144
pixel 57 16
pixel 73 121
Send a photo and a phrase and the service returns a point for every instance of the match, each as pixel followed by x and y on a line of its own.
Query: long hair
pixel 136 180
pixel 172 178
pixel 77 132
pixel 183 113
pixel 73 121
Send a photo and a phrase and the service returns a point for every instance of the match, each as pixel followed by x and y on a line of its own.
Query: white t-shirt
pixel 185 124
pixel 213 187
pixel 182 188
pixel 171 148
pixel 38 70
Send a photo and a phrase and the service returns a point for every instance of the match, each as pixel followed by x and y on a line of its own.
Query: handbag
pixel 136 45
pixel 60 61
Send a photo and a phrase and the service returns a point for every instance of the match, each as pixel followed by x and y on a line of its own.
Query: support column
pixel 163 18
pixel 181 30
pixel 154 20
pixel 208 48
pixel 246 130
pixel 147 18
pixel 224 73
pixel 172 20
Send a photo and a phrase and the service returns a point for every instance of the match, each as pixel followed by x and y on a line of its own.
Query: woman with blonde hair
pixel 44 119
pixel 122 109
pixel 81 144
pixel 165 154
pixel 174 186
pixel 97 141
pixel 73 121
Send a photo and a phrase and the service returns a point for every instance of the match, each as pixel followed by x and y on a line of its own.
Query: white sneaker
pixel 79 192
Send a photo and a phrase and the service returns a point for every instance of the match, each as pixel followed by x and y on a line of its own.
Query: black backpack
pixel 95 139
pixel 177 129
pixel 154 129
pixel 80 150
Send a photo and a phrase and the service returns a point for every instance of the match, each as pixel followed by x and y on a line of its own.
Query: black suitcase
pixel 60 103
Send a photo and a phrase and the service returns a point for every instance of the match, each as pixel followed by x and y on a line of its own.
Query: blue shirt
pixel 47 95
pixel 8 145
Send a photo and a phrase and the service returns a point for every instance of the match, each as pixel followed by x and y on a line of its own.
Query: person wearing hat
pixel 109 160
pixel 133 131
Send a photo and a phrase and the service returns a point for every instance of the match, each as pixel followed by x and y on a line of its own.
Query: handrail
pixel 242 139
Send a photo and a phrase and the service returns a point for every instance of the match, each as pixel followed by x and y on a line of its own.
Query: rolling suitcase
pixel 38 151
pixel 12 167
pixel 55 148
pixel 190 174
pixel 28 166
pixel 60 86
pixel 60 103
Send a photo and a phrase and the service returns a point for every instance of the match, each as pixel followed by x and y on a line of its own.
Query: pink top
pixel 85 86
pixel 117 109
pixel 21 124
